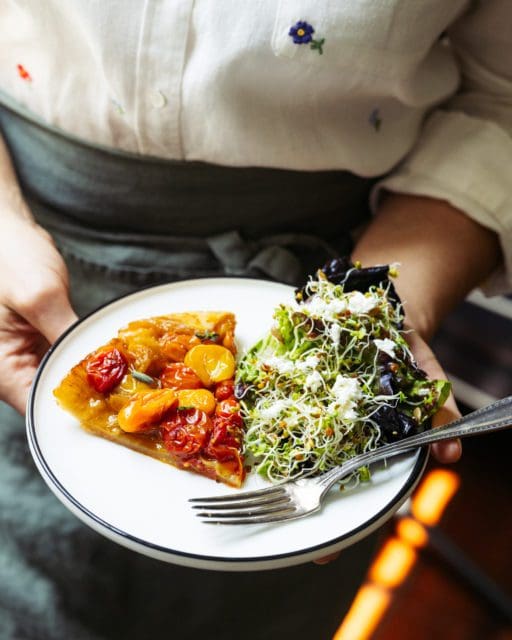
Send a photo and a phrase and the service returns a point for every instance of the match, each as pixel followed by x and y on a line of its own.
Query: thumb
pixel 49 311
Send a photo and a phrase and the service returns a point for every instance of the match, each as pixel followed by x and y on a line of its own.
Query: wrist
pixel 442 254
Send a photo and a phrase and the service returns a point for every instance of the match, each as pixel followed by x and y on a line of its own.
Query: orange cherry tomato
pixel 198 399
pixel 175 346
pixel 146 410
pixel 176 375
pixel 211 362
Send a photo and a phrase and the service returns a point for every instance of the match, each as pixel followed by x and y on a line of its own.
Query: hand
pixel 34 304
pixel 450 450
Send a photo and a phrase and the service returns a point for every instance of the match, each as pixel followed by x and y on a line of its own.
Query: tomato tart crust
pixel 164 386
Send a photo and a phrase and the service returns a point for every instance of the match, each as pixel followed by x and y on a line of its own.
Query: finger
pixel 55 318
pixel 18 398
pixel 451 450
pixel 447 452
pixel 15 389
pixel 47 309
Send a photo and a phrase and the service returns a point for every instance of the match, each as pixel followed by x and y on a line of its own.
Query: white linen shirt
pixel 418 91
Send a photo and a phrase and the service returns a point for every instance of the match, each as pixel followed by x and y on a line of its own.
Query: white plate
pixel 141 503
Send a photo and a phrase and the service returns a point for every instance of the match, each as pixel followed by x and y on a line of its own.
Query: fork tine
pixel 248 495
pixel 244 504
pixel 248 516
pixel 254 520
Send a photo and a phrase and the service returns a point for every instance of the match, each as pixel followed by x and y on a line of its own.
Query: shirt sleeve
pixel 464 152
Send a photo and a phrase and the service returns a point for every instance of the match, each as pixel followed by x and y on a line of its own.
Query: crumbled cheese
pixel 282 365
pixel 318 307
pixel 345 392
pixel 334 332
pixel 274 410
pixel 361 303
pixel 313 381
pixel 386 345
pixel 311 362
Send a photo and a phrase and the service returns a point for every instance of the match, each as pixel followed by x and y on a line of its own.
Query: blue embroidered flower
pixel 301 32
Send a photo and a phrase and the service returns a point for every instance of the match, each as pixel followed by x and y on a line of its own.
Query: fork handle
pixel 494 417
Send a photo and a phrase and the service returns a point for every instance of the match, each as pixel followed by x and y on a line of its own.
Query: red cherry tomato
pixel 105 370
pixel 229 409
pixel 224 389
pixel 176 375
pixel 185 432
pixel 225 441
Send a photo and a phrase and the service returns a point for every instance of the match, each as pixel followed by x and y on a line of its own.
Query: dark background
pixel 475 347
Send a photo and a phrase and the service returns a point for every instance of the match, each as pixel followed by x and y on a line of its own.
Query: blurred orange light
pixel 392 564
pixel 412 532
pixel 433 495
pixel 398 555
pixel 365 613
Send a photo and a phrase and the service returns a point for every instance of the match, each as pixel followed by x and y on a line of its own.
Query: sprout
pixel 335 369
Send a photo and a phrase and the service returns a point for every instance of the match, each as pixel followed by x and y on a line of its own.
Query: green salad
pixel 333 378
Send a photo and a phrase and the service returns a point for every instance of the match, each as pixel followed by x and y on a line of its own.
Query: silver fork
pixel 295 499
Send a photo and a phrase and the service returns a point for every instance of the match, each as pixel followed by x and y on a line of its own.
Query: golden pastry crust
pixel 131 391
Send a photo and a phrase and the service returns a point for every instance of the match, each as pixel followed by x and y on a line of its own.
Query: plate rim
pixel 201 559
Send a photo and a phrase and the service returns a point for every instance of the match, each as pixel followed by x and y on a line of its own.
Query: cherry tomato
pixel 176 375
pixel 186 432
pixel 229 409
pixel 225 441
pixel 225 389
pixel 175 346
pixel 146 409
pixel 105 370
pixel 211 362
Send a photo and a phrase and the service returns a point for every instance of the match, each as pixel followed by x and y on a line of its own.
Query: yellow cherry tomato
pixel 211 362
pixel 198 399
pixel 146 409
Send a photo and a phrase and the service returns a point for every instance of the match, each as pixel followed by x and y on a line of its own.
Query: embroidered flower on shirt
pixel 23 73
pixel 374 119
pixel 302 33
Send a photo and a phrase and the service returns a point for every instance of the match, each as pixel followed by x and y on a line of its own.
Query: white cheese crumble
pixel 318 307
pixel 334 332
pixel 345 391
pixel 313 381
pixel 273 410
pixel 360 303
pixel 280 364
pixel 386 345
pixel 311 362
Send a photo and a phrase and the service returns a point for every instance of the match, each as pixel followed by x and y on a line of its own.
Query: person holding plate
pixel 152 142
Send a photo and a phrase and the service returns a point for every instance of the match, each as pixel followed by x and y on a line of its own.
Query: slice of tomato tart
pixel 164 386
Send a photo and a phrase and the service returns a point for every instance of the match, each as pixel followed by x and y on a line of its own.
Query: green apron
pixel 122 222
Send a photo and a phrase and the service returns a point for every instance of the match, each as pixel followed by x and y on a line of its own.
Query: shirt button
pixel 158 99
